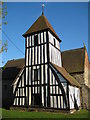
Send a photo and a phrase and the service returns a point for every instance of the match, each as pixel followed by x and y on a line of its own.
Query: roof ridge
pixel 73 49
pixel 15 59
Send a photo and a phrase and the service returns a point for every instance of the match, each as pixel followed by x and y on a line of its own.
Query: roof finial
pixel 43 9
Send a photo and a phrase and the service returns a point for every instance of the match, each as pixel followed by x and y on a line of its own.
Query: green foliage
pixel 3 14
pixel 4 47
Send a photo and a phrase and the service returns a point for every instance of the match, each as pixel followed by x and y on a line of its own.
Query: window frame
pixel 36 40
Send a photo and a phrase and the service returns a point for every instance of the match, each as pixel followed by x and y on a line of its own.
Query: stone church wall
pixel 84 90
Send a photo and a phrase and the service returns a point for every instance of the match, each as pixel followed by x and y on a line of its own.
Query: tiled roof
pixel 40 24
pixel 73 60
pixel 12 68
pixel 66 75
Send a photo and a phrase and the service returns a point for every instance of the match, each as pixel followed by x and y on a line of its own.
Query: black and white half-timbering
pixel 43 81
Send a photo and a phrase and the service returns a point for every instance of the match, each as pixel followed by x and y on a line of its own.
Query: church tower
pixel 42 47
pixel 43 81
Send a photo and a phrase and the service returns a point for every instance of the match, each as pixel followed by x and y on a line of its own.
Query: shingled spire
pixel 39 25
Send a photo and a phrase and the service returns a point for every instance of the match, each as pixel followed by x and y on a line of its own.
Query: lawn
pixel 23 114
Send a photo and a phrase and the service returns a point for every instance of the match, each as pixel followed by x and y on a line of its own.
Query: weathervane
pixel 43 9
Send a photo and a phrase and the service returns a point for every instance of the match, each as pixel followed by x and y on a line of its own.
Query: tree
pixel 3 13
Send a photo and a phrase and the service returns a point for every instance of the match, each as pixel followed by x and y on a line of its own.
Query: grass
pixel 24 114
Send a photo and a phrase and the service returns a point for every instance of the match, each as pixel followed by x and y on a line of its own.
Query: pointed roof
pixel 40 24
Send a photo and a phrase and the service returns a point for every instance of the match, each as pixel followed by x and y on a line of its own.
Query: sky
pixel 69 20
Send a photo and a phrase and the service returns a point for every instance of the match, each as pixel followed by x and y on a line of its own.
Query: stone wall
pixel 84 89
pixel 86 70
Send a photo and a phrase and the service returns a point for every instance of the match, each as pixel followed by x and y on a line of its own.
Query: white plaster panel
pixel 41 37
pixel 51 38
pixel 33 56
pixel 39 54
pixel 44 36
pixel 27 41
pixel 55 55
pixel 32 40
pixel 71 96
pixel 29 95
pixel 26 76
pixel 27 57
pixel 45 53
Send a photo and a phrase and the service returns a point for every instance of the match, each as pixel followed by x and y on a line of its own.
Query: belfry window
pixel 36 74
pixel 36 40
pixel 54 42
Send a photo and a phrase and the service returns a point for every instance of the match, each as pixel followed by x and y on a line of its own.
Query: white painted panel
pixel 50 89
pixel 50 77
pixel 33 76
pixel 58 101
pixel 61 102
pixel 14 86
pixel 56 82
pixel 42 96
pixel 36 56
pixel 42 75
pixel 55 104
pixel 14 102
pixel 33 56
pixel 22 80
pixel 30 56
pixel 36 89
pixel 55 55
pixel 27 41
pixel 42 53
pixel 44 36
pixel 65 87
pixel 33 90
pixel 29 95
pixel 38 73
pixel 26 91
pixel 26 76
pixel 20 83
pixel 23 92
pixel 77 96
pixel 51 37
pixel 41 37
pixel 39 55
pixel 71 96
pixel 46 96
pixel 32 40
pixel 29 75
pixel 45 53
pixel 27 57
pixel 51 101
pixel 46 73
pixel 56 89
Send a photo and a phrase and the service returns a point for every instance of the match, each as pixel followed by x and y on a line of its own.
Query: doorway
pixel 37 100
